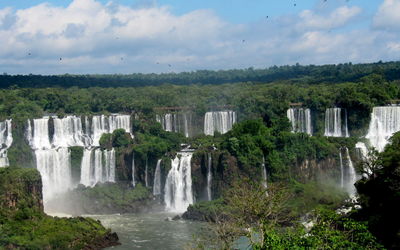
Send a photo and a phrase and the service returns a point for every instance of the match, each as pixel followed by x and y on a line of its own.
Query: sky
pixel 131 36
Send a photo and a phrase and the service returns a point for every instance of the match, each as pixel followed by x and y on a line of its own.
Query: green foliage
pixel 330 231
pixel 76 160
pixel 380 194
pixel 20 153
pixel 24 225
pixel 103 196
pixel 106 141
pixel 312 195
pixel 295 74
pixel 56 233
pixel 119 138
pixel 153 142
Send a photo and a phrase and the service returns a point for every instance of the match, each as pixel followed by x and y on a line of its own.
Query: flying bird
pixel 60 58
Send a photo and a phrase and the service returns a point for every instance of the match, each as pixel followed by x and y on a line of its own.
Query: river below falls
pixel 151 230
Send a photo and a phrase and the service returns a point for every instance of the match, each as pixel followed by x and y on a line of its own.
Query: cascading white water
pixel 53 163
pixel 146 177
pixel 209 177
pixel 348 175
pixel 98 166
pixel 178 123
pixel 221 121
pixel 335 123
pixel 341 169
pixel 351 175
pixel 300 119
pixel 178 186
pixel 362 150
pixel 40 135
pixel 68 132
pixel 102 124
pixel 55 169
pixel 133 170
pixel 385 121
pixel 6 140
pixel 264 173
pixel 157 179
pixel 185 125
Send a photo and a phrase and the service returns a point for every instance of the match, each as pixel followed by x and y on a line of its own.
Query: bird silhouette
pixel 60 58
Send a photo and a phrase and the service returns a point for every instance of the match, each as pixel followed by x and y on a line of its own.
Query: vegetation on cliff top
pixel 23 224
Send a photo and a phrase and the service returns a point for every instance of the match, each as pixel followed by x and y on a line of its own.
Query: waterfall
pixel 341 169
pixel 264 173
pixel 300 119
pixel 352 177
pixel 40 137
pixel 185 125
pixel 68 132
pixel 221 121
pixel 178 186
pixel 209 177
pixel 146 178
pixel 336 123
pixel 385 121
pixel 98 166
pixel 6 140
pixel 178 123
pixel 362 150
pixel 55 168
pixel 53 158
pixel 102 124
pixel 168 122
pixel 348 174
pixel 133 170
pixel 157 180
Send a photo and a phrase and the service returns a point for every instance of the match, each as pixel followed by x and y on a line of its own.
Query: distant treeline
pixel 310 74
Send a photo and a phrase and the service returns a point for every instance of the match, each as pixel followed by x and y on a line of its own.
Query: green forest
pixel 302 170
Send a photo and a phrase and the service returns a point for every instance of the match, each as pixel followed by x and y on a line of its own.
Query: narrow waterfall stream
pixel 6 140
pixel 264 173
pixel 133 170
pixel 209 177
pixel 348 175
pixel 157 179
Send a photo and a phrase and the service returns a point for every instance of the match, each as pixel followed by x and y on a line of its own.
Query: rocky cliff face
pixel 309 169
pixel 20 188
pixel 224 169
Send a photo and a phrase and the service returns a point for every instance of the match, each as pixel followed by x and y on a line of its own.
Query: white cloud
pixel 337 18
pixel 92 37
pixel 388 15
